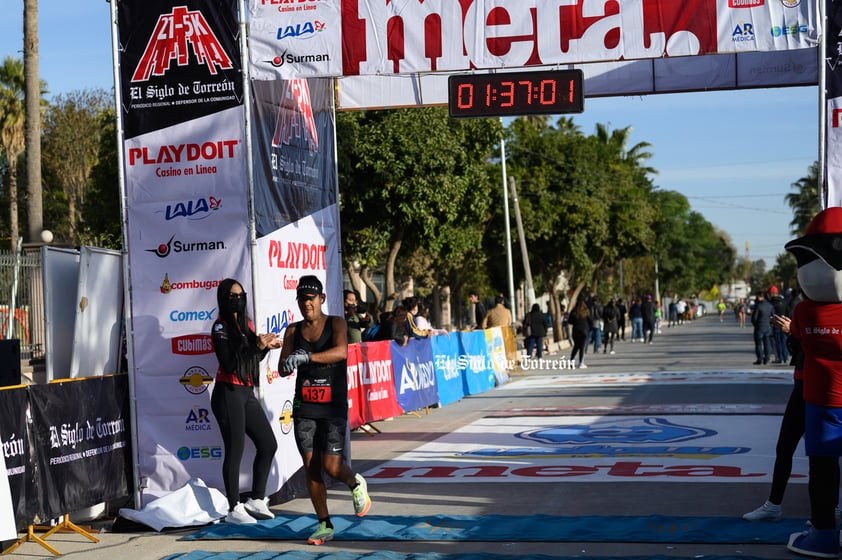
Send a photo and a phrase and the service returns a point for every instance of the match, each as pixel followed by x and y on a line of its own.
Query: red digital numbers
pixel 516 93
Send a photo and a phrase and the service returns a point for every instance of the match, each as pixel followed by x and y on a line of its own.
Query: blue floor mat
pixel 298 555
pixel 533 528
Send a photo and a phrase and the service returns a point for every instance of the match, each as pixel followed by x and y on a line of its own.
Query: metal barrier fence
pixel 22 301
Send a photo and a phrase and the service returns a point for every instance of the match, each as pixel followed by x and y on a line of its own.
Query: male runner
pixel 317 347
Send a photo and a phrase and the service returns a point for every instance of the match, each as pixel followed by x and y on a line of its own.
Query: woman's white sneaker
pixel 259 509
pixel 239 516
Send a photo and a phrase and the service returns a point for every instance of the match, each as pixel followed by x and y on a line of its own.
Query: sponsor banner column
pixel 833 89
pixel 187 221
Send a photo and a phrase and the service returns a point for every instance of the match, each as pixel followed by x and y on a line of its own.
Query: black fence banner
pixel 81 443
pixel 16 451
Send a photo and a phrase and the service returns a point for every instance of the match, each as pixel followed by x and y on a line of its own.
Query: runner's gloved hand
pixel 297 358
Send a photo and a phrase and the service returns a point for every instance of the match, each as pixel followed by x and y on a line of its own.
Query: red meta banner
pixel 371 384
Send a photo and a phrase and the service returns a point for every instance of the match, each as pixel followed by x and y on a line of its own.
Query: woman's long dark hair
pixel 223 302
pixel 240 335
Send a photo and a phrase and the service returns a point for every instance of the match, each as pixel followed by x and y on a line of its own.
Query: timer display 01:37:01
pixel 516 93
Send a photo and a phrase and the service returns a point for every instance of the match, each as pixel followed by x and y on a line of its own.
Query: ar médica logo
pixel 175 35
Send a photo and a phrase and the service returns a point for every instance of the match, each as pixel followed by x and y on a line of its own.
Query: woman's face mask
pixel 238 301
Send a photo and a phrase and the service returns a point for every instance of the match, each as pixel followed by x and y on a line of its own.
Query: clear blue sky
pixel 733 154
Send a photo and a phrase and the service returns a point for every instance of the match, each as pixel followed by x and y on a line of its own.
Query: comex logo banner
pixel 175 35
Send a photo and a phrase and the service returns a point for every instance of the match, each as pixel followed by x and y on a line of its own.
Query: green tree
pixel 12 132
pixel 412 178
pixel 72 129
pixel 804 201
pixel 101 218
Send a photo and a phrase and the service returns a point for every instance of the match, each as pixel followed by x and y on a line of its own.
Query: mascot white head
pixel 819 257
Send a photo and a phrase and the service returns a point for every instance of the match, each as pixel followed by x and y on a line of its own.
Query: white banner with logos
pixel 370 37
pixel 187 230
pixel 309 246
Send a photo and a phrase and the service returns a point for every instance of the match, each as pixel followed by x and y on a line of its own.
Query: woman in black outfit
pixel 234 404
pixel 580 323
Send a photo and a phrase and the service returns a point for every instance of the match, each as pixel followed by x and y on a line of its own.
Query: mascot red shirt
pixel 817 324
pixel 817 320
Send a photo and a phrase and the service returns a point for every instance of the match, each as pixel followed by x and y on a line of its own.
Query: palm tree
pixel 618 140
pixel 804 201
pixel 34 89
pixel 12 131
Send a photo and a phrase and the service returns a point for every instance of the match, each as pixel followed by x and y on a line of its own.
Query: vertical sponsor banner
pixel 378 383
pixel 20 468
pixel 297 224
pixel 478 371
pixel 81 443
pixel 446 352
pixel 833 89
pixel 497 353
pixel 294 147
pixel 415 376
pixel 187 222
pixel 355 387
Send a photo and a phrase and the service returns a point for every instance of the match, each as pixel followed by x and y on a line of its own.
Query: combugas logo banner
pixel 377 37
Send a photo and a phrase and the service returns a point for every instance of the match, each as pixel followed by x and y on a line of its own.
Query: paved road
pixel 703 366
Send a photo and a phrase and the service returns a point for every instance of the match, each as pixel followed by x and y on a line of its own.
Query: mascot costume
pixel 817 325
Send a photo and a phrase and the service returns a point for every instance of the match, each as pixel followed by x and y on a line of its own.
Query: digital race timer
pixel 516 93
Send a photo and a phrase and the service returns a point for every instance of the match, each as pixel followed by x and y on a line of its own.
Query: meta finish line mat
pixel 298 555
pixel 532 528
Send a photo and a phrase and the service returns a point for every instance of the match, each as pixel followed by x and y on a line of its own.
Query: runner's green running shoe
pixel 362 502
pixel 322 534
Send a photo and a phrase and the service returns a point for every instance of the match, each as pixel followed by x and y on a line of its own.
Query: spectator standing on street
pixel 740 310
pixel 647 310
pixel 497 316
pixel 621 319
pixel 609 319
pixel 411 304
pixel 356 319
pixel 580 325
pixel 595 333
pixel 673 313
pixel 681 310
pixel 477 311
pixel 761 317
pixel 535 323
pixel 778 336
pixel 636 318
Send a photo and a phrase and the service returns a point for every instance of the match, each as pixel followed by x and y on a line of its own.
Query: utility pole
pixel 508 227
pixel 530 290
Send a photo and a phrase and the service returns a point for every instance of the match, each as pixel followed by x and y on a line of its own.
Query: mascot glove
pixel 296 359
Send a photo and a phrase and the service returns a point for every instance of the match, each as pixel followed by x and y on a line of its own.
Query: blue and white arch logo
pixel 634 430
